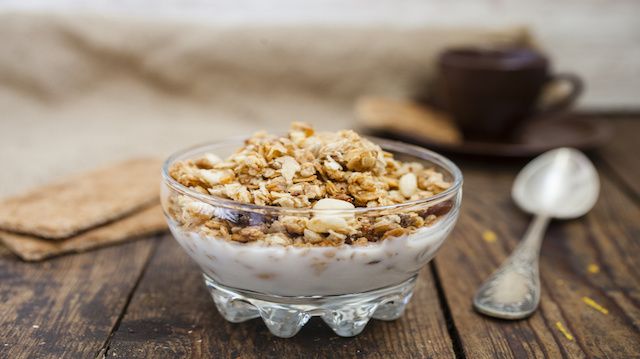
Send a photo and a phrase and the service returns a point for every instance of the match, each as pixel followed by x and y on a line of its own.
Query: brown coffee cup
pixel 490 93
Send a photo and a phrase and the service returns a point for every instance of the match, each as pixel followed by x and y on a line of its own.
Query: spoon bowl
pixel 562 184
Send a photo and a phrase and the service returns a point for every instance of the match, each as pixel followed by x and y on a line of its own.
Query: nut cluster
pixel 304 169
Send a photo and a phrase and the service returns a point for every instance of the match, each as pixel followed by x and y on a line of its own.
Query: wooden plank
pixel 622 153
pixel 607 237
pixel 67 306
pixel 172 315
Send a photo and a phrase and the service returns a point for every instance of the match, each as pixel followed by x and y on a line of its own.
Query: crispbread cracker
pixel 145 222
pixel 83 201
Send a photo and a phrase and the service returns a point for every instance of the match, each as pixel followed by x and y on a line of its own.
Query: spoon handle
pixel 513 291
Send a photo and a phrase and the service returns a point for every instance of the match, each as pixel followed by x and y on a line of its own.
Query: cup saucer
pixel 540 135
pixel 571 131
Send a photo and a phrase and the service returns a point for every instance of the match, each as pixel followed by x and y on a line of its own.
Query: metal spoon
pixel 562 184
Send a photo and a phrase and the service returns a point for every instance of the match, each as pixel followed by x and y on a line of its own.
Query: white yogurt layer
pixel 306 271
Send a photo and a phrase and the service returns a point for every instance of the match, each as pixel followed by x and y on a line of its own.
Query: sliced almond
pixel 332 203
pixel 216 177
pixel 289 167
pixel 408 184
pixel 323 224
pixel 312 237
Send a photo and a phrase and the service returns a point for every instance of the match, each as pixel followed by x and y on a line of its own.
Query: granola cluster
pixel 304 169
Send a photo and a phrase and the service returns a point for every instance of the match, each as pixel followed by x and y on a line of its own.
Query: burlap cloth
pixel 78 91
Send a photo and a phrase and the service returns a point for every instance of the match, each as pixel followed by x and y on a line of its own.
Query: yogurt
pixel 310 271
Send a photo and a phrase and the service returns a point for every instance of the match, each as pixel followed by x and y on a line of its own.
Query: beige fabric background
pixel 78 91
pixel 596 39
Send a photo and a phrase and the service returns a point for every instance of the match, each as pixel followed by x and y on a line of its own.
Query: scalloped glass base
pixel 346 314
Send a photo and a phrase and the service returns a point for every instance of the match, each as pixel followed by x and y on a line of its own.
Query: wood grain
pixel 622 153
pixel 66 307
pixel 607 237
pixel 172 315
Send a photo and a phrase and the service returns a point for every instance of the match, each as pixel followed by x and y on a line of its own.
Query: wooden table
pixel 146 299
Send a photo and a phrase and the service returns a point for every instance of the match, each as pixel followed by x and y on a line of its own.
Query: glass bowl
pixel 286 285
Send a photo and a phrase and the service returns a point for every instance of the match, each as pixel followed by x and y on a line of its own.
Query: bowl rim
pixel 396 146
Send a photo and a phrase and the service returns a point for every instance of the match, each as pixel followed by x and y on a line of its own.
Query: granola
pixel 304 169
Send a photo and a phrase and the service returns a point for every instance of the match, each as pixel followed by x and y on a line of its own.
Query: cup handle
pixel 577 87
